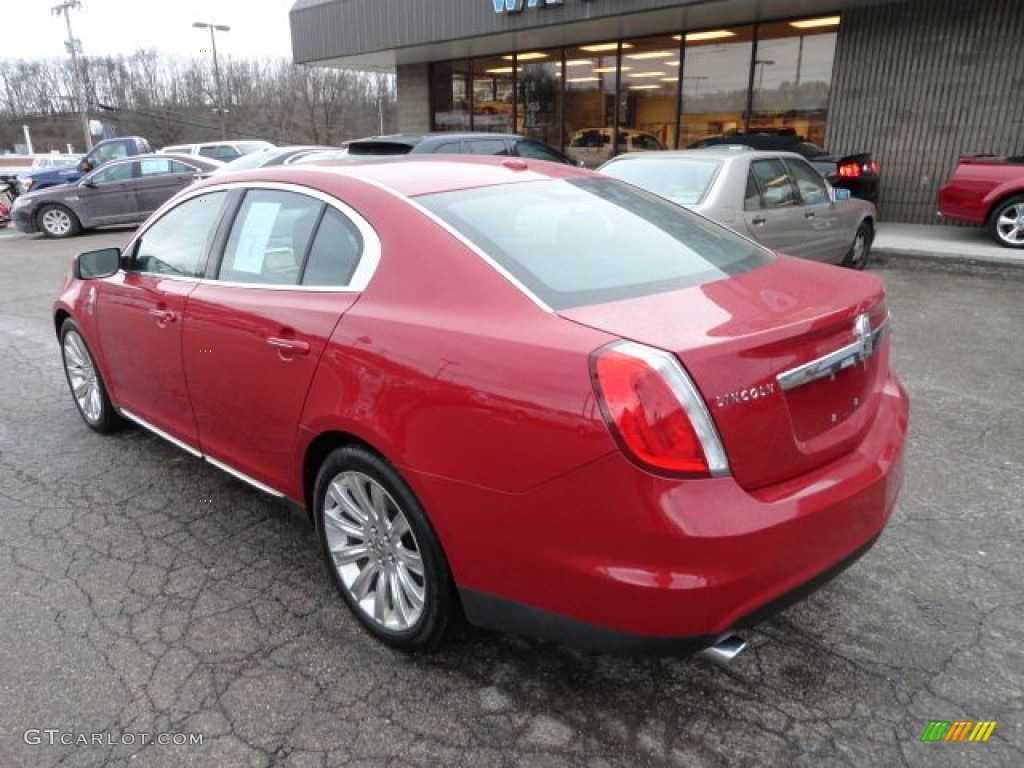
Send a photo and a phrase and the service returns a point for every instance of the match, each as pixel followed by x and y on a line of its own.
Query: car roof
pixel 709 153
pixel 412 139
pixel 413 175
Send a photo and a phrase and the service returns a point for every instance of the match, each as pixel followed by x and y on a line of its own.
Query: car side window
pixel 487 147
pixel 114 173
pixel 449 148
pixel 270 238
pixel 177 243
pixel 335 253
pixel 158 166
pixel 810 183
pixel 536 151
pixel 774 184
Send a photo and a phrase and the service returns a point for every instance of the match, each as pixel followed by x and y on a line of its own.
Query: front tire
pixel 87 387
pixel 57 222
pixel 1006 224
pixel 380 550
pixel 860 251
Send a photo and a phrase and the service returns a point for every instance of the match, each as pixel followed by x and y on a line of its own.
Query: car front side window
pixel 813 190
pixel 177 243
pixel 113 174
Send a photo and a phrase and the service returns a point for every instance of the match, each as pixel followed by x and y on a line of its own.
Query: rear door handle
pixel 162 316
pixel 293 346
pixel 809 215
pixel 758 221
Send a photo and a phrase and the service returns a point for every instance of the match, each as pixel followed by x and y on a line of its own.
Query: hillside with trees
pixel 171 100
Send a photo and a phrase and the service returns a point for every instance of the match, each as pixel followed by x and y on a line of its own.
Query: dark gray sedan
pixel 121 192
pixel 775 198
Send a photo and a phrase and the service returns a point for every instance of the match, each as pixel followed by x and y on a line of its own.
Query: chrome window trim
pixel 368 261
pixel 828 365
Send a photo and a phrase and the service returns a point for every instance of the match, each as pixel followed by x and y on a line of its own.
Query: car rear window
pixel 589 241
pixel 683 180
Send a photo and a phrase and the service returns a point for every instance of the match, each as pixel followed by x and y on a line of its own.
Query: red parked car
pixel 523 391
pixel 989 191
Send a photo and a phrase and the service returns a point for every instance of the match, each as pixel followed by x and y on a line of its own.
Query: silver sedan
pixel 776 198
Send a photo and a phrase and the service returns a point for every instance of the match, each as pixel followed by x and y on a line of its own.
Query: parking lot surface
pixel 152 602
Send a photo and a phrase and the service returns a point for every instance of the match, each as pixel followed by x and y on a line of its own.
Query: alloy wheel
pixel 85 386
pixel 1009 225
pixel 56 222
pixel 374 551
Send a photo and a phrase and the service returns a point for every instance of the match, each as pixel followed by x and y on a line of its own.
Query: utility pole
pixel 216 69
pixel 72 46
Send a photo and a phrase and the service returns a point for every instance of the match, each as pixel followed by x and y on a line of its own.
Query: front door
pixel 107 196
pixel 140 314
pixel 771 209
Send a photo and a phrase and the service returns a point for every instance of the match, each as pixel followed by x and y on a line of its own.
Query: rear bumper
pixel 612 558
pixel 495 613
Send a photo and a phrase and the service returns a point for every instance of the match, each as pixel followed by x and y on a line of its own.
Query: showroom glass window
pixel 449 95
pixel 716 78
pixel 539 102
pixel 648 94
pixel 793 76
pixel 493 93
pixel 178 242
pixel 590 88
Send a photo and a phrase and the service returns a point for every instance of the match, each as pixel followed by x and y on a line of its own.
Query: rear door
pixel 160 178
pixel 254 336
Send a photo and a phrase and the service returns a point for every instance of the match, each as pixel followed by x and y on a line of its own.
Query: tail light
pixel 655 412
pixel 854 170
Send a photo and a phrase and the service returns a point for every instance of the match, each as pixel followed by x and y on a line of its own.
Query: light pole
pixel 214 28
pixel 762 63
pixel 72 46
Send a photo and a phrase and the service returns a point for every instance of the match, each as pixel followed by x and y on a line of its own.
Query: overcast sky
pixel 29 30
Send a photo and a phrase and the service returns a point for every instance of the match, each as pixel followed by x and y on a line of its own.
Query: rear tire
pixel 860 251
pixel 57 222
pixel 380 550
pixel 1006 223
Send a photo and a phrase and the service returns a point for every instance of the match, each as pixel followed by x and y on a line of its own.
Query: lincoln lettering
pixel 744 395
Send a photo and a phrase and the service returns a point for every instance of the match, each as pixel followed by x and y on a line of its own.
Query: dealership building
pixel 915 82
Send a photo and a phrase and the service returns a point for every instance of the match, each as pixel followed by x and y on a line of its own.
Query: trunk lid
pixel 781 355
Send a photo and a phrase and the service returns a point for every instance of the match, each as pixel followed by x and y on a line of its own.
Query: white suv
pixel 225 151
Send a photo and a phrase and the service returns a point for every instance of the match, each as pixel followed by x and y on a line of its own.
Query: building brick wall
pixel 920 83
pixel 413 83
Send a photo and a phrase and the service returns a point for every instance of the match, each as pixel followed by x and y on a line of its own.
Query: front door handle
pixel 809 215
pixel 758 221
pixel 290 346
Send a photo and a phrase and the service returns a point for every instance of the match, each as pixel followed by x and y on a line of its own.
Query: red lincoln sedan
pixel 540 397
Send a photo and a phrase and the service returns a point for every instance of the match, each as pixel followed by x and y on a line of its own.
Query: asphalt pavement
pixel 150 598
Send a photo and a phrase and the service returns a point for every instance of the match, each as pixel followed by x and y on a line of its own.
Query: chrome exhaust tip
pixel 725 650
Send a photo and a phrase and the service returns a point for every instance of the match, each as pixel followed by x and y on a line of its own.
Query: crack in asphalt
pixel 145 592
